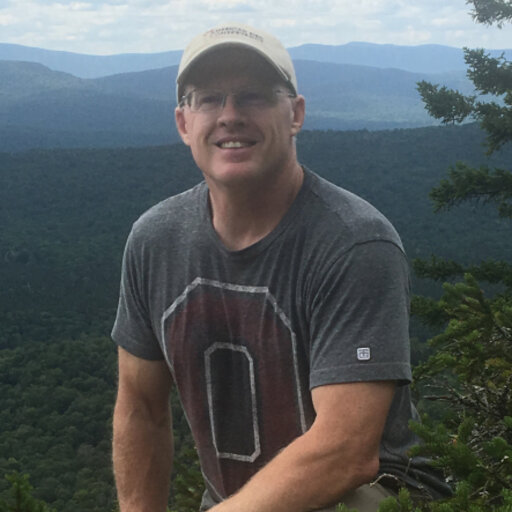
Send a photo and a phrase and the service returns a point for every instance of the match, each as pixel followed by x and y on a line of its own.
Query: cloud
pixel 229 6
pixel 122 26
pixel 7 20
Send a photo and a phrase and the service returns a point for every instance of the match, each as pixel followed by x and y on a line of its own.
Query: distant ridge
pixel 40 107
pixel 89 66
pixel 417 59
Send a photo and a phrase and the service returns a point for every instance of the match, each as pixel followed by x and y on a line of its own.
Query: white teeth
pixel 234 144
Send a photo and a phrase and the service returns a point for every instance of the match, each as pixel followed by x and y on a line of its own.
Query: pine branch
pixel 466 183
pixel 489 12
pixel 490 75
pixel 446 104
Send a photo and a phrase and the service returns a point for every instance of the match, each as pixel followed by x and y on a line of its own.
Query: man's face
pixel 234 144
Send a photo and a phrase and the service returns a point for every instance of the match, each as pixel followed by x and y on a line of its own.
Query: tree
pixel 446 104
pixel 20 497
pixel 490 76
pixel 491 11
pixel 469 376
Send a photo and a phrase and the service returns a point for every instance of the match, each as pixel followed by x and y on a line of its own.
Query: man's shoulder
pixel 171 213
pixel 350 215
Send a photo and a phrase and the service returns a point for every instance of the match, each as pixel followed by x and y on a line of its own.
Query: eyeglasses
pixel 211 100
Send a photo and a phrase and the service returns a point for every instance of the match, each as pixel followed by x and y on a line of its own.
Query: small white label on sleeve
pixel 363 354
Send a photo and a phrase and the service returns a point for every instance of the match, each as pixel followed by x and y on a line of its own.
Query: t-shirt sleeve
pixel 360 318
pixel 132 328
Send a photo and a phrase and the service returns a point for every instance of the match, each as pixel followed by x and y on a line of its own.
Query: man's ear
pixel 299 112
pixel 181 125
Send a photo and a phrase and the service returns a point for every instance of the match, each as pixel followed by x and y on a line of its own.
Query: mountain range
pixel 57 99
pixel 428 58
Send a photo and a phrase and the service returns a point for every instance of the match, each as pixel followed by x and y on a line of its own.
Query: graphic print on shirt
pixel 223 343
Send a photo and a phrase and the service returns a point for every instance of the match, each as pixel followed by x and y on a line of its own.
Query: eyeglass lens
pixel 204 100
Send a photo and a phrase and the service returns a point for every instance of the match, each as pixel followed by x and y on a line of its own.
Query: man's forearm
pixel 142 456
pixel 339 453
pixel 304 476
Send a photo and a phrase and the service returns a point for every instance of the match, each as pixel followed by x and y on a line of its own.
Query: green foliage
pixel 491 11
pixel 67 215
pixel 469 374
pixel 344 508
pixel 56 408
pixel 445 104
pixel 462 500
pixel 187 480
pixel 19 498
pixel 466 183
pixel 403 503
pixel 491 77
pixel 188 484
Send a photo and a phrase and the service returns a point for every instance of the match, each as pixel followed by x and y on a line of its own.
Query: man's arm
pixel 142 445
pixel 339 453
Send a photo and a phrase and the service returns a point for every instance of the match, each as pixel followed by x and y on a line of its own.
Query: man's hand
pixel 142 446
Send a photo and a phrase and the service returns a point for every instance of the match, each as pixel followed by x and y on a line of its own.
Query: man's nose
pixel 230 109
pixel 230 101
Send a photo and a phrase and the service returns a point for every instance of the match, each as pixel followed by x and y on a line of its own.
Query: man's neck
pixel 244 214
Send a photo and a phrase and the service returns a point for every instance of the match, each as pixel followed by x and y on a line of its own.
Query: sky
pixel 150 26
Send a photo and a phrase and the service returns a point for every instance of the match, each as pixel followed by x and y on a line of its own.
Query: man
pixel 275 302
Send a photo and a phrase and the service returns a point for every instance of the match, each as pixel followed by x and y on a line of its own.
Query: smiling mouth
pixel 235 144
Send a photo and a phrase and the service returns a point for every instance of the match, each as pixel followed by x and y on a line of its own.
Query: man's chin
pixel 235 175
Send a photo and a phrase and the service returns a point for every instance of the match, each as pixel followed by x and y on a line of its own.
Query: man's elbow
pixel 366 469
pixel 354 472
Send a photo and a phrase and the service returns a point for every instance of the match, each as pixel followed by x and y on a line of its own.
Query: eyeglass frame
pixel 275 91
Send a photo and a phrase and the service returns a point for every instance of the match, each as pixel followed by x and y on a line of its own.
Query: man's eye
pixel 251 97
pixel 210 99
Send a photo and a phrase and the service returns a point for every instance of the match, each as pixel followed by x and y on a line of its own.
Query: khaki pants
pixel 364 499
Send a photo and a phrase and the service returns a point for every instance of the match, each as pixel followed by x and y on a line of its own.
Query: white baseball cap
pixel 241 36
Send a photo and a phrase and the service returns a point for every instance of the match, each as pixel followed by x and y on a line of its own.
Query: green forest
pixel 66 216
pixel 447 189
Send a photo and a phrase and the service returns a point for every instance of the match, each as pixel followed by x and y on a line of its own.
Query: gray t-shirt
pixel 247 334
